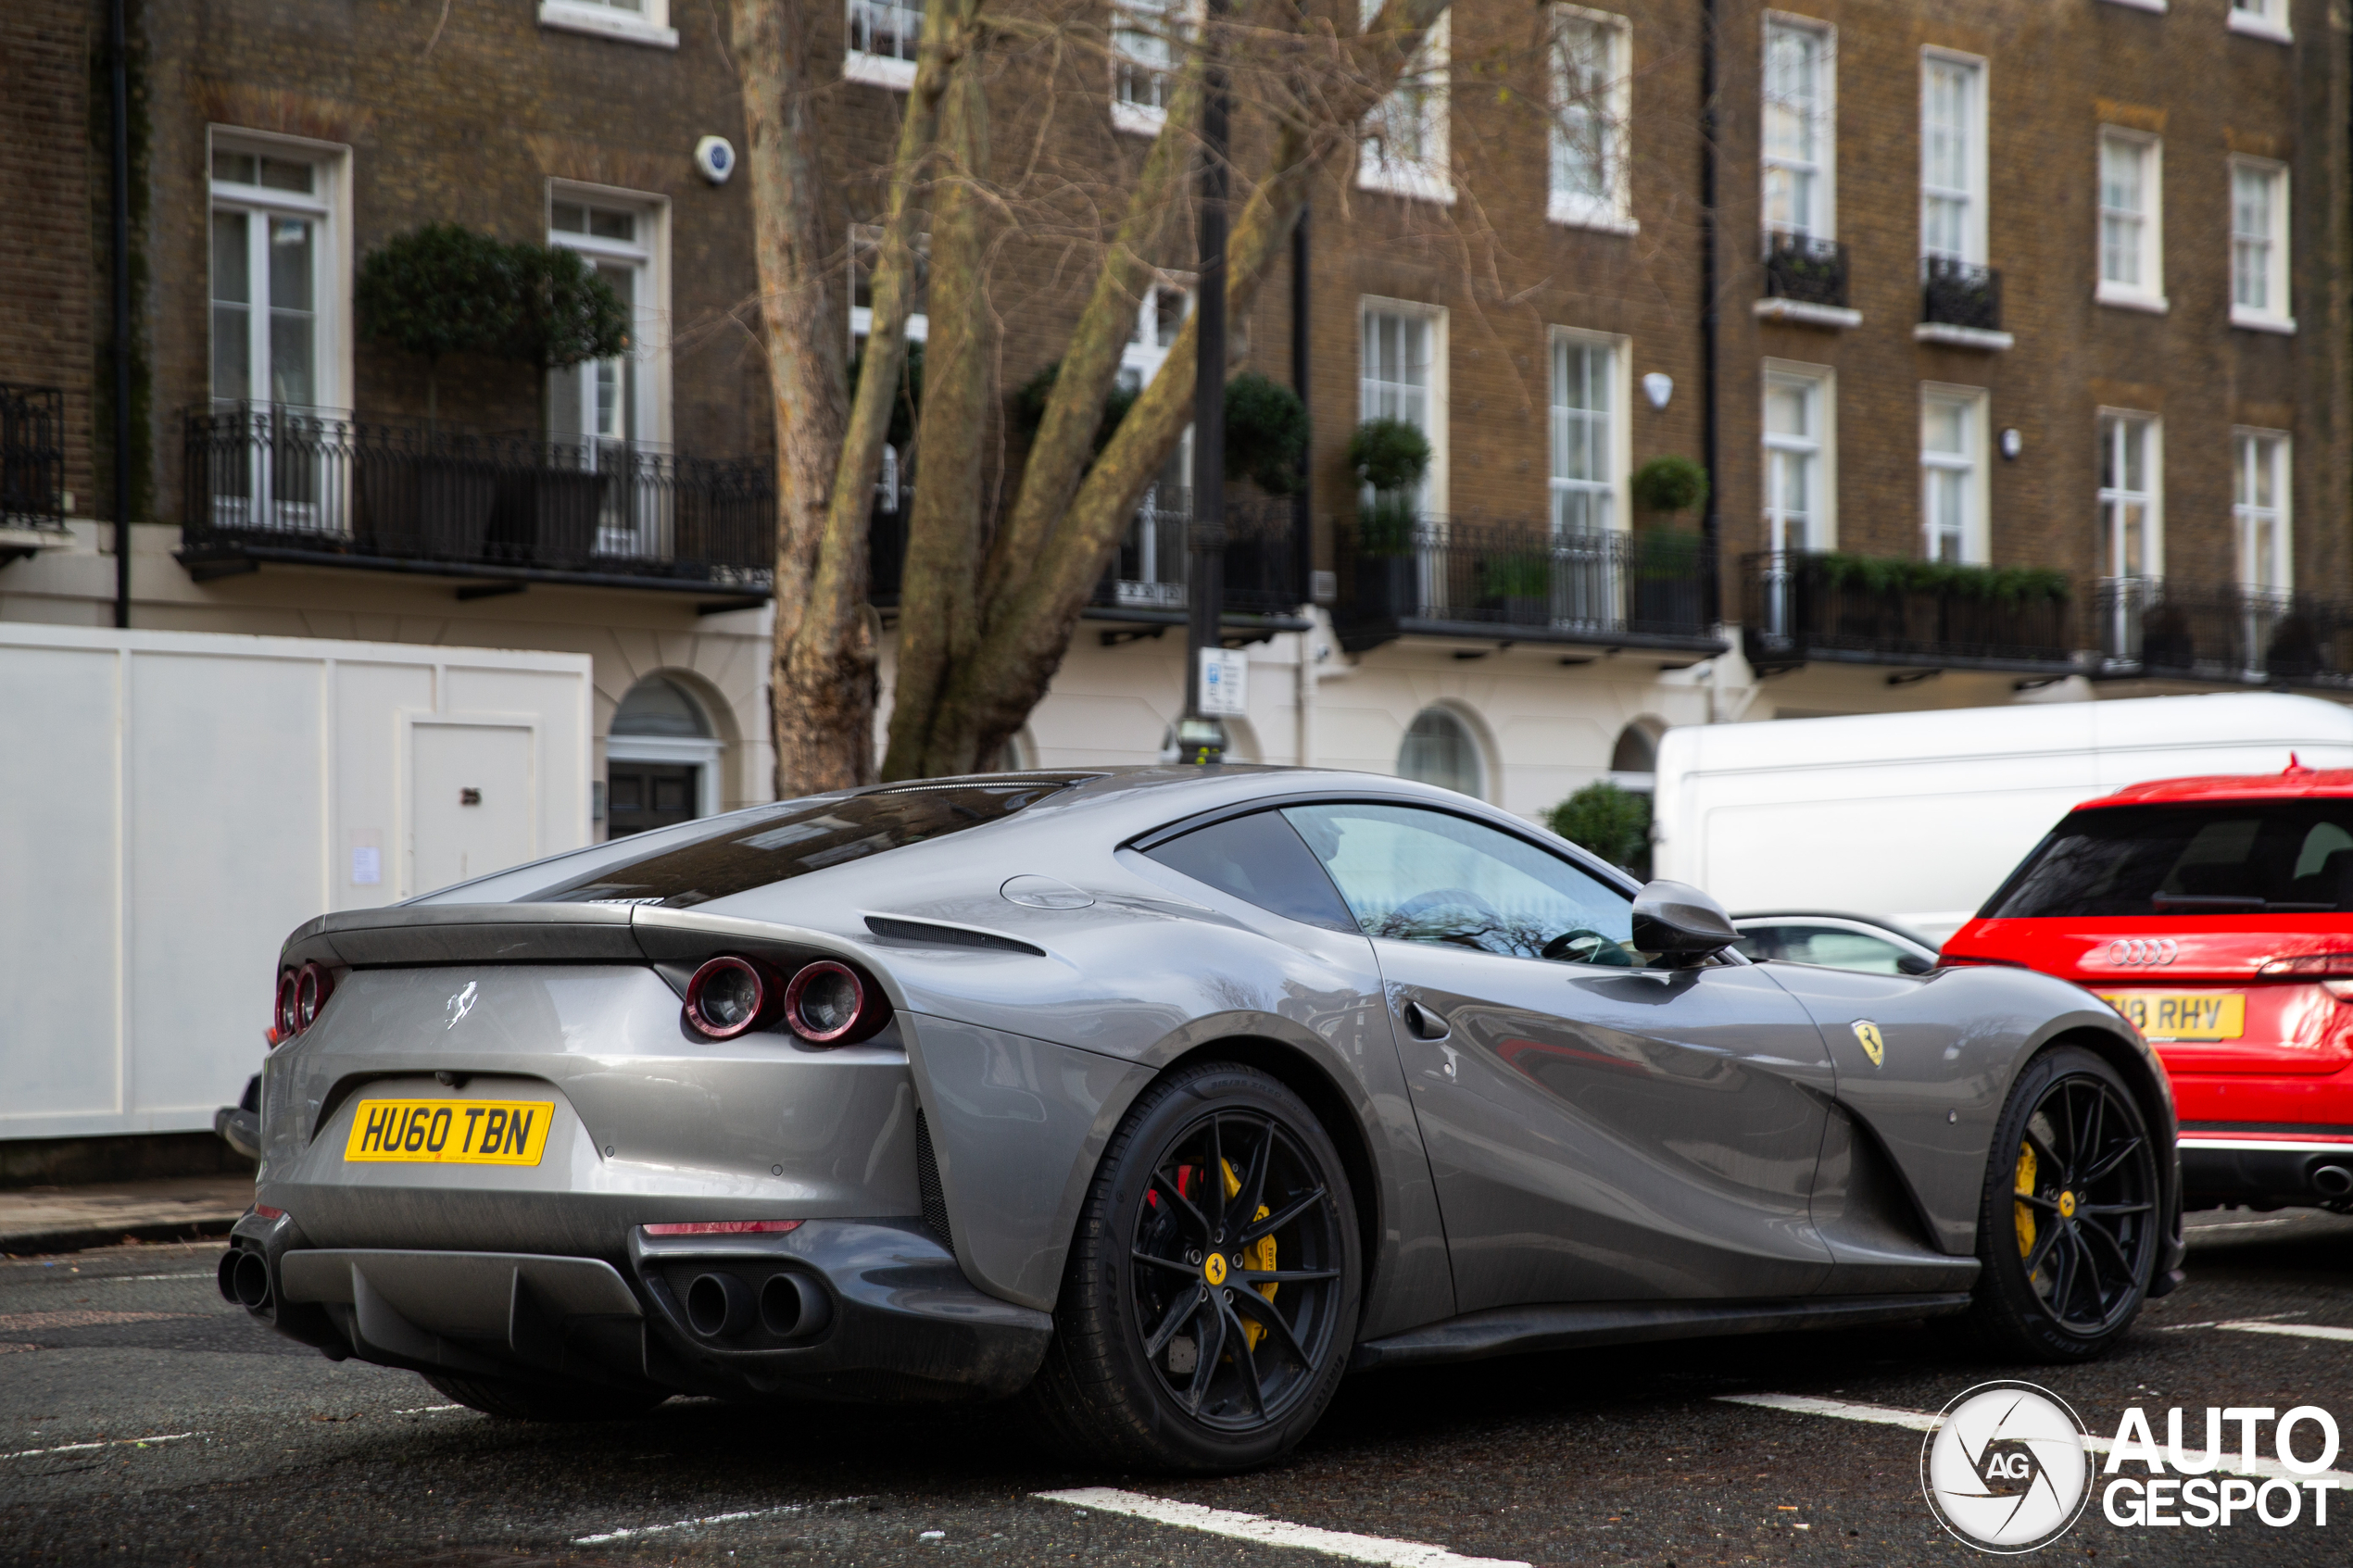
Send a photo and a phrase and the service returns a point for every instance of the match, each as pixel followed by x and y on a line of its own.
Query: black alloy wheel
pixel 1210 1301
pixel 2071 1221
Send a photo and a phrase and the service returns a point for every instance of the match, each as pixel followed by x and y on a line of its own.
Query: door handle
pixel 1422 1023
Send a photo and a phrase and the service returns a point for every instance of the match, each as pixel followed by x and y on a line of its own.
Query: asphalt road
pixel 276 1456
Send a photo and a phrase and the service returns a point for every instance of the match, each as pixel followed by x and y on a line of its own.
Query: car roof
pixel 2294 783
pixel 1889 927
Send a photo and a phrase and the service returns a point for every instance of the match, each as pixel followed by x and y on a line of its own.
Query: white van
pixel 1917 818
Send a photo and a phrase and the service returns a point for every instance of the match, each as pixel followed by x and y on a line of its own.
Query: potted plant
pixel 439 290
pixel 1389 458
pixel 1665 565
pixel 566 315
pixel 1516 587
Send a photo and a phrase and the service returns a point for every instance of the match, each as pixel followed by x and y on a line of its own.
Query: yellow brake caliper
pixel 1259 1254
pixel 2025 1184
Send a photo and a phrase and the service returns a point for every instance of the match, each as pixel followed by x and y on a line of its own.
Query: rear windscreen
pixel 822 834
pixel 2266 857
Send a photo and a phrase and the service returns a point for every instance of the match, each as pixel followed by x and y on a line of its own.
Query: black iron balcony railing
pixel 268 481
pixel 1455 577
pixel 1956 294
pixel 1804 270
pixel 2233 634
pixel 1153 568
pixel 1801 604
pixel 32 456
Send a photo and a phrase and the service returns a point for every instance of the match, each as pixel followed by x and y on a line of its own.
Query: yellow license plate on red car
pixel 445 1132
pixel 2182 1015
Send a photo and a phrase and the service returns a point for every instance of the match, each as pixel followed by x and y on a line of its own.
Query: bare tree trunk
pixel 821 672
pixel 939 590
pixel 953 714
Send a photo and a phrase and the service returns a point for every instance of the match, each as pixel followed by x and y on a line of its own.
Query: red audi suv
pixel 2217 914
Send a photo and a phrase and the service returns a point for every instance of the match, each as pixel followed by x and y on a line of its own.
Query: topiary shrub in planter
pixel 1669 483
pixel 1614 823
pixel 1266 433
pixel 440 290
pixel 1519 585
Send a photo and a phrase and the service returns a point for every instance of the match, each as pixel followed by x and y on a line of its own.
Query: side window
pixel 1414 876
pixel 1834 947
pixel 1259 860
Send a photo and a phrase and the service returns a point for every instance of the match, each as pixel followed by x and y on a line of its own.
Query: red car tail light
pixel 313 986
pixel 287 1016
pixel 831 1004
pixel 730 995
pixel 1962 960
pixel 2333 971
pixel 723 1227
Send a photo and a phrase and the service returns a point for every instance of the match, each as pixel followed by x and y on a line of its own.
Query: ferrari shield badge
pixel 1873 1046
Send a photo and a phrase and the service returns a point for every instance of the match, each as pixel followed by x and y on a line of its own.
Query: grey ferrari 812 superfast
pixel 1159 1099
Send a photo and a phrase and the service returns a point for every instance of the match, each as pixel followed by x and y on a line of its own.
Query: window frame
pixel 888 71
pixel 1436 483
pixel 649 24
pixel 1821 384
pixel 1619 436
pixel 1977 193
pixel 1825 122
pixel 2275 315
pixel 650 309
pixel 1612 212
pixel 1177 15
pixel 2152 426
pixel 1976 546
pixel 2149 293
pixel 2269 20
pixel 333 332
pixel 1431 177
pixel 2245 514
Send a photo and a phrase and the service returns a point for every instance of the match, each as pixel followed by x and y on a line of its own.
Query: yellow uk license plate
pixel 2182 1015
pixel 445 1132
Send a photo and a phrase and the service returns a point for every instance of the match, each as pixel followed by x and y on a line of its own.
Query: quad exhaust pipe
pixel 2333 1181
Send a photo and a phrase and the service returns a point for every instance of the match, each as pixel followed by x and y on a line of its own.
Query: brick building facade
pixel 1960 252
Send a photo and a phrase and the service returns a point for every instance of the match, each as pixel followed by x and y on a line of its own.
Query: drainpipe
pixel 121 87
pixel 1712 523
pixel 1303 539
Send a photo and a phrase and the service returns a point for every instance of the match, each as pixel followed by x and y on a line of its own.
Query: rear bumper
pixel 2269 1167
pixel 839 1309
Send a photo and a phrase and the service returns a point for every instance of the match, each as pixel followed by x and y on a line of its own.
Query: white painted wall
pixel 172 804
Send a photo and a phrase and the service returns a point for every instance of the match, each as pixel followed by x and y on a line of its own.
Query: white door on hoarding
pixel 471 802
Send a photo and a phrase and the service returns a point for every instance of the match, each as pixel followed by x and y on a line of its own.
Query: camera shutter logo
pixel 2007 1469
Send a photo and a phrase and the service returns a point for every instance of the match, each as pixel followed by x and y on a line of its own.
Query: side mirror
pixel 1912 964
pixel 1681 924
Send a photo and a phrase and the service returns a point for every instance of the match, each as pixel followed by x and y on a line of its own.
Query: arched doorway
pixel 662 759
pixel 1440 749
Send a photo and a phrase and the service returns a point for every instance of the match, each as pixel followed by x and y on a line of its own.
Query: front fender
pixel 1952 1044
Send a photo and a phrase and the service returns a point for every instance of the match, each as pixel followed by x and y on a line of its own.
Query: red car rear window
pixel 2257 857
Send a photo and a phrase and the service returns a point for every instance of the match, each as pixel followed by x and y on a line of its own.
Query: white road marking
pixel 2228 1461
pixel 1272 1532
pixel 205 1274
pixel 115 1443
pixel 2299 1330
pixel 2179 1327
pixel 709 1518
pixel 429 1410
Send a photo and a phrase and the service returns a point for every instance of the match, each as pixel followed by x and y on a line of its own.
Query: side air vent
pixel 947 935
pixel 927 1187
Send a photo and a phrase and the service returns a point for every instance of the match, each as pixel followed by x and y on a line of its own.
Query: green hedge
pixel 2004 585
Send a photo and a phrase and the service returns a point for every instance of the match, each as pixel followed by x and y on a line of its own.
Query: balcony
pixel 1148 581
pixel 315 487
pixel 1960 304
pixel 1806 282
pixel 2228 636
pixel 1799 605
pixel 1450 577
pixel 32 469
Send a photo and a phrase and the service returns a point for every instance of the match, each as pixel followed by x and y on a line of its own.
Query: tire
pixel 1135 1376
pixel 2070 1220
pixel 533 1402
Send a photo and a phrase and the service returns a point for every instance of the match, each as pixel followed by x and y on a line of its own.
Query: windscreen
pixel 2259 857
pixel 826 832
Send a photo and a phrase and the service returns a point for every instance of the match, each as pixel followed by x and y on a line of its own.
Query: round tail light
pixel 311 989
pixel 288 1013
pixel 729 996
pixel 831 1004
